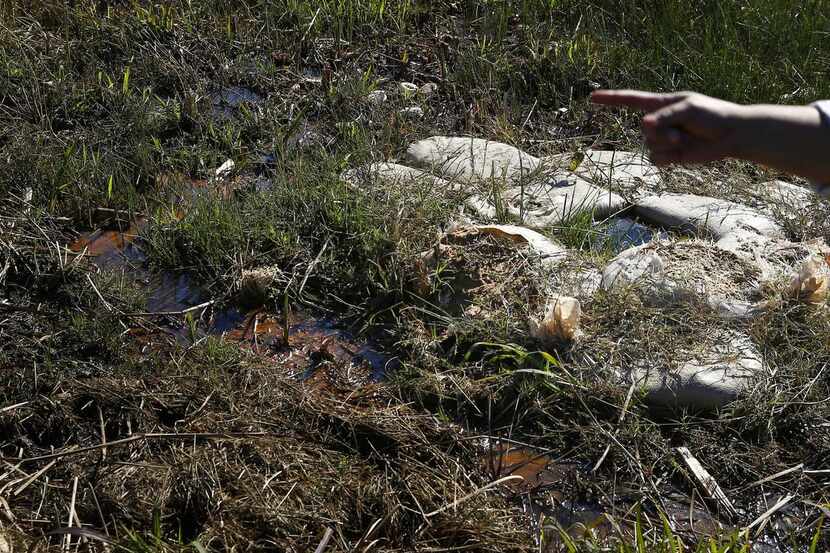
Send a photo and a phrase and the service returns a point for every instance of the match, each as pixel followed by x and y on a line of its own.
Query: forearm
pixel 789 138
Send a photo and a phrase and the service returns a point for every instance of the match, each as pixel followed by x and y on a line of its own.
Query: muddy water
pixel 318 349
pixel 112 247
pixel 119 249
pixel 544 494
pixel 322 353
pixel 547 495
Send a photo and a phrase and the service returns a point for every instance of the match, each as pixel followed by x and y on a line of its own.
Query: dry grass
pixel 163 436
pixel 224 447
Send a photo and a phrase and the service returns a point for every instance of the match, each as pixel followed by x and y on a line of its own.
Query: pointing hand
pixel 682 127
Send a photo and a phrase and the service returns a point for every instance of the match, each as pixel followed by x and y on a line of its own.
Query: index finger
pixel 637 99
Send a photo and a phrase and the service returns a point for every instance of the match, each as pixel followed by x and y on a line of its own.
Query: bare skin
pixel 686 127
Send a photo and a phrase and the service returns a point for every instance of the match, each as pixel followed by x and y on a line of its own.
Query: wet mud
pixel 318 350
pixel 324 354
pixel 549 496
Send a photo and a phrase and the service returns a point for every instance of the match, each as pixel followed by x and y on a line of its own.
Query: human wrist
pixel 747 124
pixel 761 131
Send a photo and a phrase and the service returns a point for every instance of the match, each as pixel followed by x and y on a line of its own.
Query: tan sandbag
pixel 255 284
pixel 539 243
pixel 812 281
pixel 560 323
pixel 530 191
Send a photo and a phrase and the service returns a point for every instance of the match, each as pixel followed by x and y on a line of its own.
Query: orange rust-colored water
pixel 317 351
pixel 544 492
pixel 537 470
pixel 107 242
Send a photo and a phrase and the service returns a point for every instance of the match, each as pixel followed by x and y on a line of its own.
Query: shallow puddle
pixel 314 347
pixel 538 470
pixel 547 496
pixel 120 250
pixel 172 292
pixel 318 349
pixel 114 247
pixel 544 495
pixel 226 103
pixel 620 233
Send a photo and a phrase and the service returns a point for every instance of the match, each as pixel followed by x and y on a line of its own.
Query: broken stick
pixel 707 484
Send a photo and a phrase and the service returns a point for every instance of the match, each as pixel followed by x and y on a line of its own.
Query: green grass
pixel 109 106
pixel 119 95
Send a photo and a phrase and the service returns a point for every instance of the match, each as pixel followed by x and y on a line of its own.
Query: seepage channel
pixel 558 498
pixel 318 349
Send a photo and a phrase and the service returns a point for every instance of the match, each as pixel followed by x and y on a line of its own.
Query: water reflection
pixel 317 348
pixel 226 103
pixel 620 233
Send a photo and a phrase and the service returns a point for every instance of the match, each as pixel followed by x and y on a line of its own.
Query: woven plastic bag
pixel 811 283
pixel 560 322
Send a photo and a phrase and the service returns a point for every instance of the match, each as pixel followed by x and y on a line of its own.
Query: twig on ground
pixel 775 476
pixel 764 518
pixel 709 486
pixel 325 541
pixel 13 407
pixel 68 538
pixel 170 313
pixel 310 25
pixel 291 489
pixel 311 268
pixel 619 423
pixel 103 433
pixel 470 495
pixel 107 305
pixel 34 477
pixel 372 529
